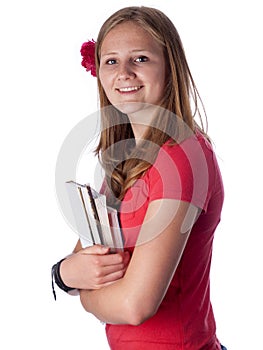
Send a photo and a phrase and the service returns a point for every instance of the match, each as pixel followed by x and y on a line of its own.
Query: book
pixel 96 222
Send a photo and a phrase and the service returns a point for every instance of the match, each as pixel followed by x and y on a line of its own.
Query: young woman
pixel 162 175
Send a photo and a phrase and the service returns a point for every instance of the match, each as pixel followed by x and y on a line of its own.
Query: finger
pixel 110 278
pixel 111 259
pixel 111 269
pixel 96 249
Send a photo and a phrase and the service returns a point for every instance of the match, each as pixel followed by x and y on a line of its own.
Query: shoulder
pixel 183 170
pixel 194 145
pixel 193 153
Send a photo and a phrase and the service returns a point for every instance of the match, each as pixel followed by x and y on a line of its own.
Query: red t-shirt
pixel 184 320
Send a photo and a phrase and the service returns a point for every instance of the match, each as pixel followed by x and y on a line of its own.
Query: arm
pixel 137 296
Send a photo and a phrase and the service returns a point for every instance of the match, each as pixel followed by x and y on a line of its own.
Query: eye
pixel 111 62
pixel 141 59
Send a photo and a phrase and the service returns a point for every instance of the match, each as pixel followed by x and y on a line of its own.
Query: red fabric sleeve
pixel 181 172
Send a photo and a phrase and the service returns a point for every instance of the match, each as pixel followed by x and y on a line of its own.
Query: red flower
pixel 88 57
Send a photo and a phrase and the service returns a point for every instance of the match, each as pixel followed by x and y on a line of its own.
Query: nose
pixel 126 71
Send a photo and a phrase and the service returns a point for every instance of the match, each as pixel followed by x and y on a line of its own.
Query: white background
pixel 45 92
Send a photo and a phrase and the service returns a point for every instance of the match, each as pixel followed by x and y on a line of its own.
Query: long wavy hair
pixel 124 161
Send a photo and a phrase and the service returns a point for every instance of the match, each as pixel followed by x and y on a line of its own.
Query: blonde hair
pixel 122 171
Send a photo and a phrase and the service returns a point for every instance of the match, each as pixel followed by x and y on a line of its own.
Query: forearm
pixel 109 304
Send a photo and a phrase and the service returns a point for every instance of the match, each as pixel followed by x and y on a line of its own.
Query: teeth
pixel 131 88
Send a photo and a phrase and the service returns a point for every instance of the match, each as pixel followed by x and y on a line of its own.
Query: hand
pixel 93 268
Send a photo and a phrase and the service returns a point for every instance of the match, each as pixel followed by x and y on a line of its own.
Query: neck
pixel 141 120
pixel 138 130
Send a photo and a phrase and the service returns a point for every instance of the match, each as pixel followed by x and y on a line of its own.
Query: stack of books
pixel 96 222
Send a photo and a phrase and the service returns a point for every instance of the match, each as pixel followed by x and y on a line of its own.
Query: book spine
pixel 86 214
pixel 80 217
pixel 115 229
pixel 92 215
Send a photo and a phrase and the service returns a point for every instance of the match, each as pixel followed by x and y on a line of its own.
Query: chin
pixel 130 108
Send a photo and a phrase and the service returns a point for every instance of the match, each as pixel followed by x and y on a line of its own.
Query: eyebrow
pixel 115 52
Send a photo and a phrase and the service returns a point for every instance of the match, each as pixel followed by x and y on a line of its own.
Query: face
pixel 132 68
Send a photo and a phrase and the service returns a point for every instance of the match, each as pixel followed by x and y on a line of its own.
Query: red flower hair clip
pixel 88 56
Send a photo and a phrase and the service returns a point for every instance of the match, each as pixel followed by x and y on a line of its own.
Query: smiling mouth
pixel 129 89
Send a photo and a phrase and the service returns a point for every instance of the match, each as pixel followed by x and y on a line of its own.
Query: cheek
pixel 160 83
pixel 104 76
pixel 102 79
pixel 163 82
pixel 105 83
pixel 163 76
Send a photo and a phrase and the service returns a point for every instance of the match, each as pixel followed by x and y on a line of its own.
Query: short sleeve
pixel 181 172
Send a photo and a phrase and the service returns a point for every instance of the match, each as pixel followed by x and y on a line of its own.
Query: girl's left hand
pixel 93 267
